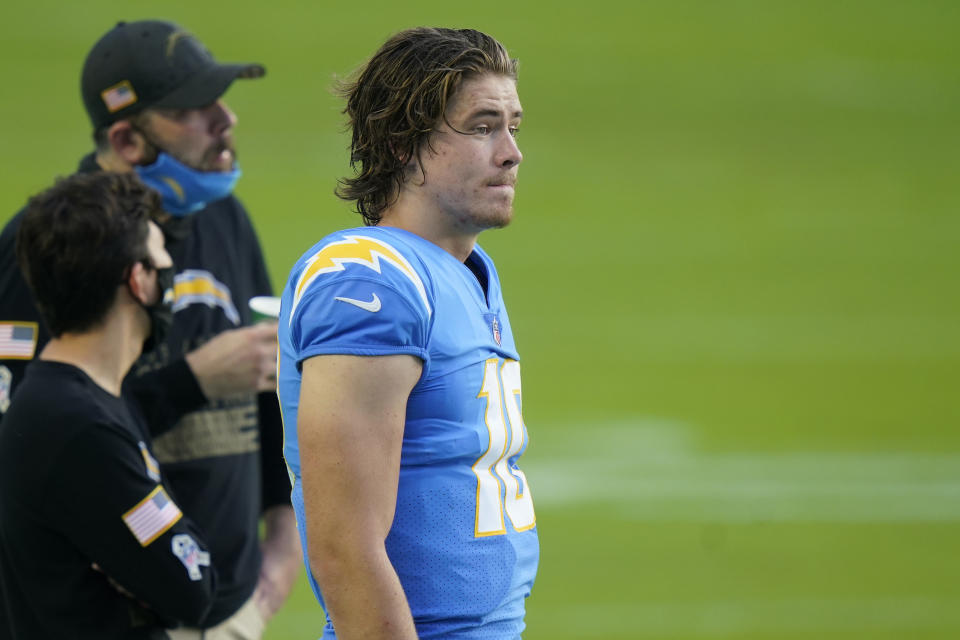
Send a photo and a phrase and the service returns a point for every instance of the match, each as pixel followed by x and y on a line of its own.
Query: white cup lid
pixel 266 306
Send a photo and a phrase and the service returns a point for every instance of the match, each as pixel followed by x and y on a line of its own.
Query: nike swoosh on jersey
pixel 372 306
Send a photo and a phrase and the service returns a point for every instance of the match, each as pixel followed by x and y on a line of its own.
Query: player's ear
pixel 413 171
pixel 137 281
pixel 402 154
pixel 127 142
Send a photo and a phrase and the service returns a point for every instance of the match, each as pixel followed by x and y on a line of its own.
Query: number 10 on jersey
pixel 500 488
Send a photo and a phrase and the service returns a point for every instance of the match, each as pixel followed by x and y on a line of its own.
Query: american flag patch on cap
pixel 118 96
pixel 18 340
pixel 152 516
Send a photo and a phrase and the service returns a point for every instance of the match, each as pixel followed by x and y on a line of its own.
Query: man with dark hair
pixel 92 545
pixel 154 97
pixel 399 378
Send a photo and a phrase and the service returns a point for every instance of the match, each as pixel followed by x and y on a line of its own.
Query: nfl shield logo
pixel 495 325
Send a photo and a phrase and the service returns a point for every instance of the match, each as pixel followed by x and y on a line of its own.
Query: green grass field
pixel 733 279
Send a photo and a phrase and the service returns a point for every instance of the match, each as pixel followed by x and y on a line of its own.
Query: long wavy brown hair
pixel 395 101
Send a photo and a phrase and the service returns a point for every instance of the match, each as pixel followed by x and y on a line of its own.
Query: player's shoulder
pixel 56 404
pixel 389 256
pixel 365 243
pixel 54 392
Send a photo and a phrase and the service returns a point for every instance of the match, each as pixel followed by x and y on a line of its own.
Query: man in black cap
pixel 154 96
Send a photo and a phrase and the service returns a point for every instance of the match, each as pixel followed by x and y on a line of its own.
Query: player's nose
pixel 508 152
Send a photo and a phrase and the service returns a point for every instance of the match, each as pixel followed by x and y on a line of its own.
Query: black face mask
pixel 161 311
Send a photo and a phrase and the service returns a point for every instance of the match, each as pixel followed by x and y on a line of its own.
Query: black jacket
pixel 81 499
pixel 209 451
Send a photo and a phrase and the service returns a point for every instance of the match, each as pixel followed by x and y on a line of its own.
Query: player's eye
pixel 481 129
pixel 514 131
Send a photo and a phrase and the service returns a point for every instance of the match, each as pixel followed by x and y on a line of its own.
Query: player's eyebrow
pixel 492 113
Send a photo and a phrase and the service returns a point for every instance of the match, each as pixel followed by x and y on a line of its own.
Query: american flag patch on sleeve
pixel 18 340
pixel 152 516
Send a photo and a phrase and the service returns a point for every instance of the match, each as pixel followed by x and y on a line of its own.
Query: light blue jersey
pixel 464 538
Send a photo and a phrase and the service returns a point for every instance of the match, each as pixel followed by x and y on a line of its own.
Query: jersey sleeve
pixel 107 498
pixel 359 315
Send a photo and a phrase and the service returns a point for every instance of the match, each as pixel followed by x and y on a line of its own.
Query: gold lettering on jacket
pixel 223 428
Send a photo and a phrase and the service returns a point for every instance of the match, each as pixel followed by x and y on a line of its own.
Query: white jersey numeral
pixel 500 487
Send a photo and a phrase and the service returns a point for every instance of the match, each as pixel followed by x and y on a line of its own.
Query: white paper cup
pixel 265 308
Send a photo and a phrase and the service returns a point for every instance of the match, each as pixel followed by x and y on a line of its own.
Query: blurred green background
pixel 733 279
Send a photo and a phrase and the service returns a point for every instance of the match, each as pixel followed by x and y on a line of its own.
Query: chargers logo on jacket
pixel 195 286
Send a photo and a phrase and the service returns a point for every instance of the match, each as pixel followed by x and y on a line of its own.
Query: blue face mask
pixel 184 189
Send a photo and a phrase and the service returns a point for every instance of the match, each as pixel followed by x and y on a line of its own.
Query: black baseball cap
pixel 152 63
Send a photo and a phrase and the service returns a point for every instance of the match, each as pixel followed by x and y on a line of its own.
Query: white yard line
pixel 654 472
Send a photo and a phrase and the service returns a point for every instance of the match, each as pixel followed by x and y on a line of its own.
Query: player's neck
pixel 105 353
pixel 416 218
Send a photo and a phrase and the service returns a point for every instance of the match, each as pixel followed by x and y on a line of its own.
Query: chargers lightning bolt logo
pixel 362 250
pixel 196 286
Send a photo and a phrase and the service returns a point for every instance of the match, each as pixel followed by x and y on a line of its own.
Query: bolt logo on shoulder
pixel 360 250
